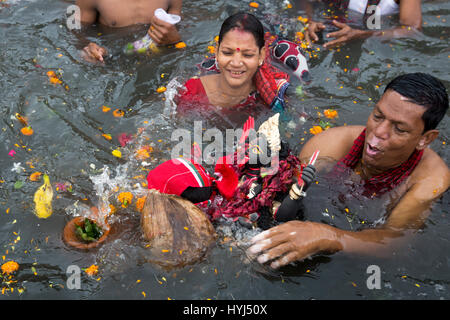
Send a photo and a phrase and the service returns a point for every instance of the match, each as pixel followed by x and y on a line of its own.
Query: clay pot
pixel 178 231
pixel 71 237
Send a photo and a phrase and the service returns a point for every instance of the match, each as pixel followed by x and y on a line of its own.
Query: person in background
pixel 117 13
pixel 390 155
pixel 409 13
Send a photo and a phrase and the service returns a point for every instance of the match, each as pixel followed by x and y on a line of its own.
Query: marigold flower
pixel 27 131
pixel 118 113
pixel 105 109
pixel 125 198
pixel 316 130
pixel 254 4
pixel 10 267
pixel 330 113
pixel 117 153
pixel 35 176
pixel 140 204
pixel 180 45
pixel 142 154
pixel 55 80
pixel 161 89
pixel 211 49
pixel 92 270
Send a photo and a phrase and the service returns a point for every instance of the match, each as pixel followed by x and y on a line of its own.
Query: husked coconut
pixel 179 233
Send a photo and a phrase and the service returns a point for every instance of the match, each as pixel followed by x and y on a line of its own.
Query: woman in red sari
pixel 243 72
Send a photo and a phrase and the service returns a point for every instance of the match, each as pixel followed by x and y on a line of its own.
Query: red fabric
pixel 383 182
pixel 174 176
pixel 268 77
pixel 194 96
pixel 278 183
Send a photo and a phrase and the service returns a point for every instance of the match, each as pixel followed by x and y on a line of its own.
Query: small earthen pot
pixel 71 237
pixel 178 232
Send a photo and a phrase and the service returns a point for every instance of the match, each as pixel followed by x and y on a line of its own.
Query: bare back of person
pixel 119 13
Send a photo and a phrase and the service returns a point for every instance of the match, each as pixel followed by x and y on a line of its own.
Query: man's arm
pixel 297 240
pixel 410 19
pixel 88 9
pixel 164 33
pixel 88 12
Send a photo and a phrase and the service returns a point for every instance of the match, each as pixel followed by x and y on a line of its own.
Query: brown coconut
pixel 179 233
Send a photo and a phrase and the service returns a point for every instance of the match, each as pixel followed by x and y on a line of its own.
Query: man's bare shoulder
pixel 333 143
pixel 432 173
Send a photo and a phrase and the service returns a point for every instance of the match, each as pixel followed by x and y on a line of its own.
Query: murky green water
pixel 67 143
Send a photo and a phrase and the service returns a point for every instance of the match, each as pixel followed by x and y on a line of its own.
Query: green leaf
pixel 18 184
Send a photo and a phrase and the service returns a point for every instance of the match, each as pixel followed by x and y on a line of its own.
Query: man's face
pixel 393 131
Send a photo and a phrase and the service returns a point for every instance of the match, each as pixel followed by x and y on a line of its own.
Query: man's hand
pixel 93 52
pixel 163 33
pixel 313 28
pixel 292 241
pixel 344 35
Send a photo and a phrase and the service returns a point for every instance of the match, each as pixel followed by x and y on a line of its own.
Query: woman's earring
pixel 217 65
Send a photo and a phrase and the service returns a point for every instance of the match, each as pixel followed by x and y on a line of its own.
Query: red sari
pixel 194 96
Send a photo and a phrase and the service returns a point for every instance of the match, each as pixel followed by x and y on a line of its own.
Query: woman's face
pixel 239 57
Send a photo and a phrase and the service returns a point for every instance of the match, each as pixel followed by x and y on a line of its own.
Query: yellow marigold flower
pixel 316 130
pixel 125 198
pixel 180 45
pixel 92 270
pixel 140 204
pixel 330 113
pixel 142 154
pixel 117 153
pixel 55 80
pixel 161 89
pixel 211 49
pixel 10 267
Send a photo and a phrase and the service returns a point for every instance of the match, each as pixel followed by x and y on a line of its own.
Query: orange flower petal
pixel 27 131
pixel 105 109
pixel 118 113
pixel 35 176
pixel 161 89
pixel 180 45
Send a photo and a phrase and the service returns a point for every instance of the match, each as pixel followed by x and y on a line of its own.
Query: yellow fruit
pixel 43 199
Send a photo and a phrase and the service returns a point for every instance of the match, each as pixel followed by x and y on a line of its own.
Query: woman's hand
pixel 292 241
pixel 93 52
pixel 344 35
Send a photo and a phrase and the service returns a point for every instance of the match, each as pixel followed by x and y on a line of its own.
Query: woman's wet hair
pixel 424 90
pixel 245 22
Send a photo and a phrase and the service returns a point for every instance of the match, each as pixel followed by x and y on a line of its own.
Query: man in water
pixel 118 13
pixel 409 15
pixel 390 154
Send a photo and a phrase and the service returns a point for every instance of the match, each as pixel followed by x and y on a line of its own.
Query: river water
pixel 69 144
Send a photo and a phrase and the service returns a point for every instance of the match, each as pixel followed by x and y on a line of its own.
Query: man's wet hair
pixel 245 22
pixel 424 90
